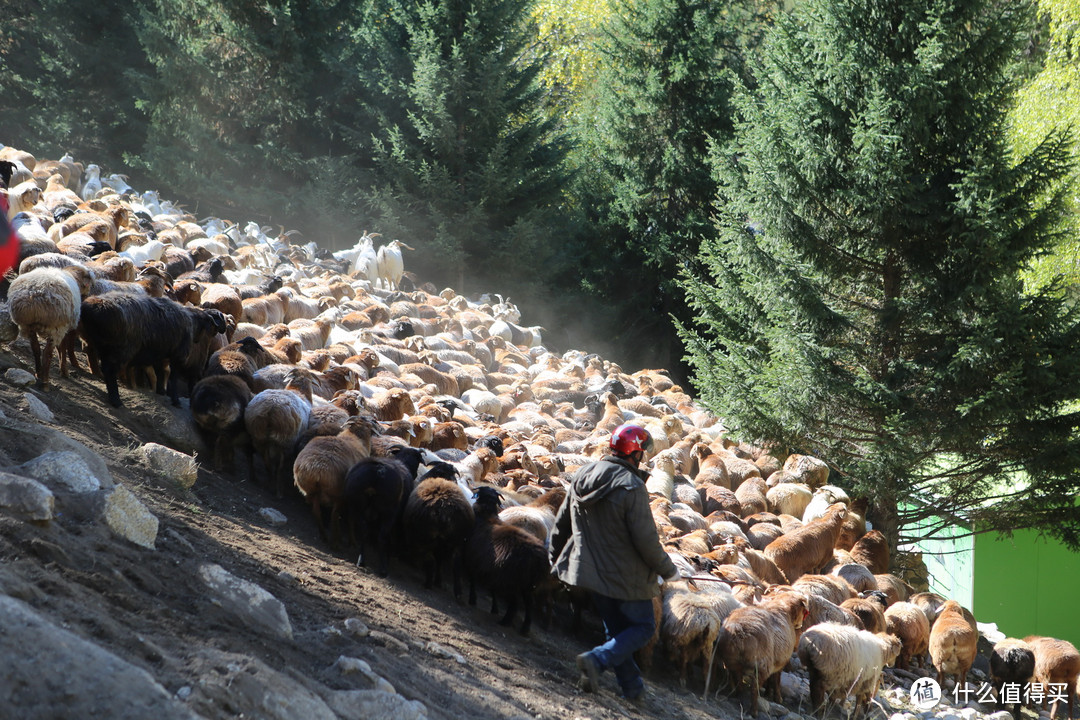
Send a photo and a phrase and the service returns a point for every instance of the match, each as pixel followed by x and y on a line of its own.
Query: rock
pixel 128 517
pixel 53 673
pixel 247 602
pixel 175 427
pixel 764 707
pixel 439 651
pixel 364 704
pixel 38 409
pixel 30 440
pixel 357 628
pixel 356 666
pixel 65 469
pixel 26 498
pixel 1000 715
pixel 272 516
pixel 388 641
pixel 790 684
pixel 19 377
pixel 251 689
pixel 171 463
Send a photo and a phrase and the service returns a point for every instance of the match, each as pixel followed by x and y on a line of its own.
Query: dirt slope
pixel 150 608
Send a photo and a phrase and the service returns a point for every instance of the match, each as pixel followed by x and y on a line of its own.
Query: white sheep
pixel 789 499
pixel 390 265
pixel 142 254
pixel 46 302
pixel 823 497
pixel 92 184
pixel 844 661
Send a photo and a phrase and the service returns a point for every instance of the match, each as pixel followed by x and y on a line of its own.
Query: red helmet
pixel 628 438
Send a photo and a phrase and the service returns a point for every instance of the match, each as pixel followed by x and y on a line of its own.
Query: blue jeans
pixel 628 624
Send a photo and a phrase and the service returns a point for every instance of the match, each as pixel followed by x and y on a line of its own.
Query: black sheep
pixel 505 559
pixel 123 329
pixel 217 405
pixel 437 521
pixel 376 489
pixel 1012 662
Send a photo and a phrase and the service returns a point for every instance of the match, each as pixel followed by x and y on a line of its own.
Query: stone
pixel 1000 715
pixel 38 409
pixel 251 689
pixel 19 377
pixel 388 641
pixel 355 666
pixel 128 517
pixel 440 652
pixel 63 471
pixel 52 673
pixel 247 601
pixel 790 684
pixel 357 628
pixel 26 498
pixel 171 463
pixel 364 704
pixel 29 440
pixel 273 517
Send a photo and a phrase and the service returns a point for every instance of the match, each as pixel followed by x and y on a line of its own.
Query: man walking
pixel 605 541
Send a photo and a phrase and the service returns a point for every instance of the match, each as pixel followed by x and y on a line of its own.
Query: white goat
pixel 390 265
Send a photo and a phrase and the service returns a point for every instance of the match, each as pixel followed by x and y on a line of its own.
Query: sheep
pixel 320 468
pixel 224 298
pixel 690 623
pixel 822 498
pixel 870 614
pixel 953 641
pixel 217 406
pixel 894 588
pixel 909 623
pixel 810 547
pixel 274 420
pixel 760 639
pixel 389 265
pixel 47 302
pixel 1012 662
pixel 930 603
pixel 789 498
pixel 505 559
pixel 437 521
pixel 834 589
pixel 242 358
pixel 123 329
pixel 857 576
pixel 872 550
pixel 376 489
pixel 845 661
pixel 538 516
pixel 854 524
pixel 1056 663
pixel 751 495
pixel 394 404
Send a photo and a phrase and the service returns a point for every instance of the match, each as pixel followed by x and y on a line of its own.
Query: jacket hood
pixel 593 486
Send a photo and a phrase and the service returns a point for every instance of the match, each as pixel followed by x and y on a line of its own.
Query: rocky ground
pixel 231 606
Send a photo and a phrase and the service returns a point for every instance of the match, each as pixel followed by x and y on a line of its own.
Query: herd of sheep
pixel 410 418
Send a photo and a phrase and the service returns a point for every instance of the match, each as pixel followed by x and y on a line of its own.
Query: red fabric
pixel 9 241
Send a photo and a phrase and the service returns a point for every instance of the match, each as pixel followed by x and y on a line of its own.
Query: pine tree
pixel 466 163
pixel 669 69
pixel 862 300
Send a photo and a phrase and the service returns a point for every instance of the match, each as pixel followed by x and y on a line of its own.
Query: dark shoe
pixel 590 672
pixel 637 697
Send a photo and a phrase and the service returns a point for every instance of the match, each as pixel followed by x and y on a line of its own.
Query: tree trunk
pixel 885 519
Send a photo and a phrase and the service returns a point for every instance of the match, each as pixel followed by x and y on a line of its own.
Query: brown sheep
pixel 758 641
pixel 895 589
pixel 751 495
pixel 1056 663
pixel 953 641
pixel 870 614
pixel 872 550
pixel 834 589
pixel 320 469
pixel 810 547
pixel 908 622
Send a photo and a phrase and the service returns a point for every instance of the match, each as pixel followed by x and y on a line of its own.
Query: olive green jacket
pixel 605 538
